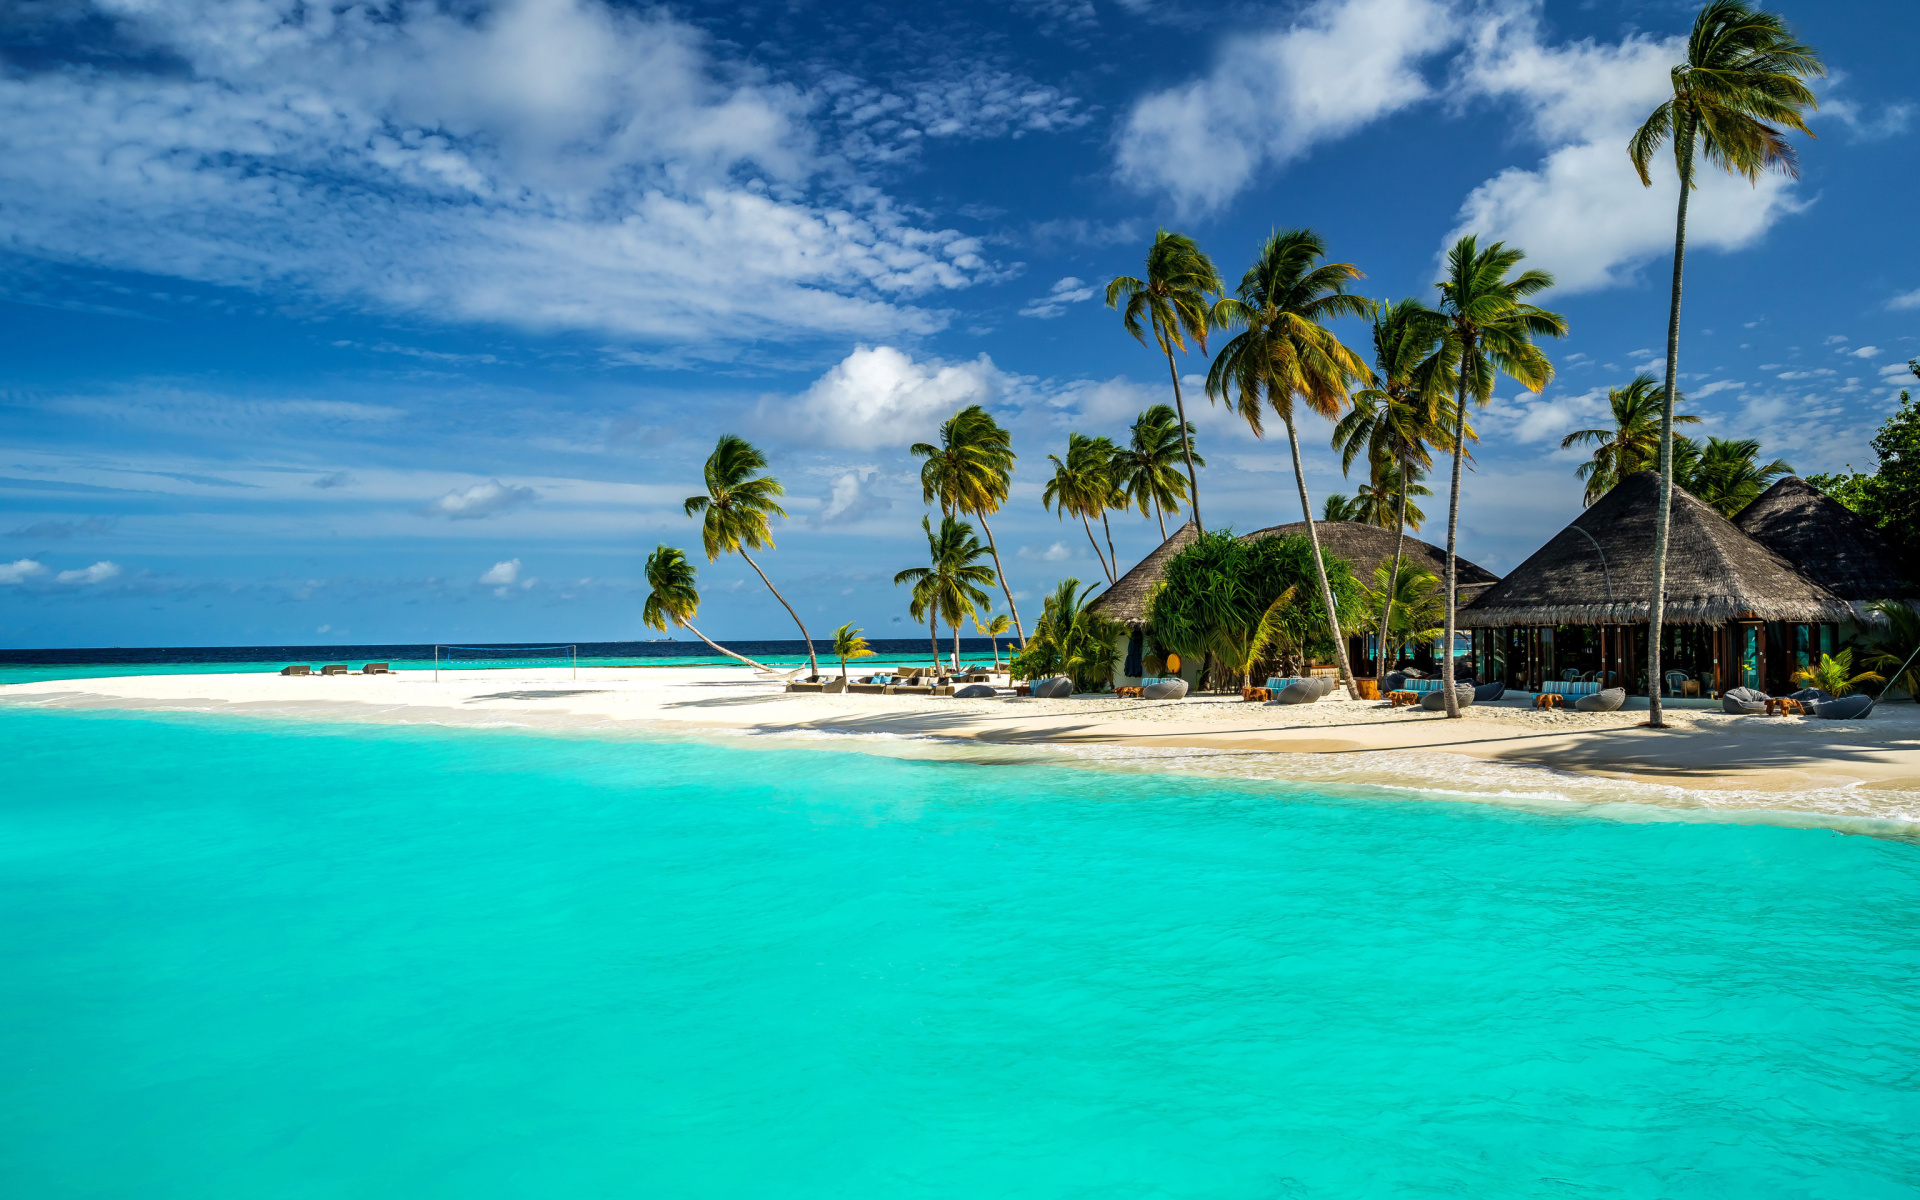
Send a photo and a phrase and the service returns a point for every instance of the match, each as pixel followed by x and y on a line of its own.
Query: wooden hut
pixel 1828 543
pixel 1580 606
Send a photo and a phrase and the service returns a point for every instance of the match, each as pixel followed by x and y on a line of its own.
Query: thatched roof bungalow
pixel 1828 543
pixel 1736 613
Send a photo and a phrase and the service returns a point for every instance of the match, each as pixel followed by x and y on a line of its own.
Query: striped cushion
pixel 1582 687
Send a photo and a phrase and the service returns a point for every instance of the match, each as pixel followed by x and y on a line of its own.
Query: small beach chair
pixel 376 669
pixel 296 670
pixel 336 669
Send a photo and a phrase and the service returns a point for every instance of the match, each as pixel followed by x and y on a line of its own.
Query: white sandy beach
pixel 1861 769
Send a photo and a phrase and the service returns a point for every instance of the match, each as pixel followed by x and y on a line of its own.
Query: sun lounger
pixel 376 669
pixel 336 669
pixel 801 685
pixel 910 689
pixel 296 670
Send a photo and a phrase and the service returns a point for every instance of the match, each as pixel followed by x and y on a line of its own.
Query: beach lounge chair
pixel 801 685
pixel 1743 702
pixel 376 669
pixel 296 670
pixel 336 669
pixel 1604 700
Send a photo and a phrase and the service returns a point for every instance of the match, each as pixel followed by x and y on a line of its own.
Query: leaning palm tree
pixel 1284 352
pixel 1173 299
pixel 970 472
pixel 1741 84
pixel 1147 470
pixel 992 629
pixel 1632 445
pixel 948 588
pixel 734 512
pixel 1727 475
pixel 1082 486
pixel 847 643
pixel 1493 328
pixel 675 598
pixel 1399 419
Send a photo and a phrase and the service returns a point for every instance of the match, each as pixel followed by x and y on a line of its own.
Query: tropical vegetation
pixel 993 629
pixel 1071 639
pixel 1083 486
pixel 970 472
pixel 1285 353
pixel 1742 84
pixel 947 590
pixel 848 644
pixel 735 510
pixel 1411 609
pixel 1834 674
pixel 1888 498
pixel 1147 470
pixel 1893 649
pixel 674 597
pixel 1632 443
pixel 1725 473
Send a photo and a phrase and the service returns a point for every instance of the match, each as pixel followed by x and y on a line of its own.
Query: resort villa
pixel 1749 600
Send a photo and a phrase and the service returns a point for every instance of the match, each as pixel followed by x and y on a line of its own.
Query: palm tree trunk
pixel 1186 444
pixel 1084 524
pixel 956 649
pixel 933 639
pixel 1393 583
pixel 722 649
pixel 1005 587
pixel 1657 610
pixel 1320 567
pixel 1114 575
pixel 1453 531
pixel 812 662
pixel 1161 514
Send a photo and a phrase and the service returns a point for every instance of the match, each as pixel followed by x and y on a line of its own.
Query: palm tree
pixel 1284 352
pixel 1082 485
pixel 970 472
pixel 1240 647
pixel 1741 82
pixel 1146 470
pixel 992 630
pixel 1726 474
pixel 948 588
pixel 1173 299
pixel 1399 418
pixel 1632 445
pixel 847 643
pixel 1411 597
pixel 1340 508
pixel 676 597
pixel 1493 329
pixel 735 508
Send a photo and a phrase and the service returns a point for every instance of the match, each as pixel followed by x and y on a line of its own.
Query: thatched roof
pixel 1127 599
pixel 1599 571
pixel 1827 542
pixel 1366 547
pixel 1363 546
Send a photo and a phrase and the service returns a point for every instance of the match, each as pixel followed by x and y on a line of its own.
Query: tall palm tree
pixel 1632 445
pixel 948 588
pixel 1173 300
pixel 675 598
pixel 1082 486
pixel 1116 498
pixel 1147 470
pixel 1727 475
pixel 1341 508
pixel 738 501
pixel 970 471
pixel 1741 84
pixel 1377 502
pixel 1493 329
pixel 1399 418
pixel 992 629
pixel 1284 352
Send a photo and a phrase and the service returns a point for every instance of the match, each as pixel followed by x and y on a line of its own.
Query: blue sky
pixel 414 322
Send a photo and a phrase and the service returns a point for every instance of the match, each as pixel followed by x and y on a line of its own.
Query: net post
pixel 576 661
pixel 436 664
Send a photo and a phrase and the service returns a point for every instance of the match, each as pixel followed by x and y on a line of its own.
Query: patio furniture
pixel 336 669
pixel 1057 688
pixel 1547 700
pixel 1256 694
pixel 1165 689
pixel 1784 706
pixel 1605 700
pixel 1436 700
pixel 1489 691
pixel 1846 708
pixel 974 691
pixel 1299 691
pixel 1690 689
pixel 1570 675
pixel 376 669
pixel 1571 691
pixel 1402 698
pixel 1743 702
pixel 296 670
pixel 1369 688
pixel 1131 692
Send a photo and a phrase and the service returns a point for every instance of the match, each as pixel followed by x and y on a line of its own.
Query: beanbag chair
pixel 1846 708
pixel 974 691
pixel 1327 685
pixel 1437 701
pixel 1489 691
pixel 1743 702
pixel 1396 681
pixel 1057 688
pixel 1167 689
pixel 1806 694
pixel 1300 691
pixel 1604 700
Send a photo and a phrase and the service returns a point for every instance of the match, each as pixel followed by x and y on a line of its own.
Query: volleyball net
pixel 476 658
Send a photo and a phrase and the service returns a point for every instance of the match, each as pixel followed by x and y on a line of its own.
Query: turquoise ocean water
pixel 248 959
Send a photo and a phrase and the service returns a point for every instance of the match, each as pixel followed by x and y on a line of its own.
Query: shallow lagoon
pixel 250 958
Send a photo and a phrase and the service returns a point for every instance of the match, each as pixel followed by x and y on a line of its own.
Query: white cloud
pixel 1893 369
pixel 502 573
pixel 850 496
pixel 1718 385
pixel 1582 212
pixel 20 570
pixel 879 396
pixel 543 163
pixel 1067 291
pixel 1866 352
pixel 99 572
pixel 480 500
pixel 1058 552
pixel 1834 339
pixel 1905 300
pixel 1271 97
